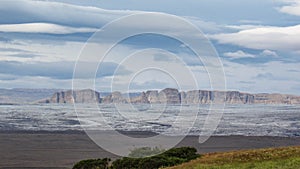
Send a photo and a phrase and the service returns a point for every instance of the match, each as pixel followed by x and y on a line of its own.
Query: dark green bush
pixel 126 163
pixel 187 153
pixel 93 164
pixel 171 157
pixel 153 162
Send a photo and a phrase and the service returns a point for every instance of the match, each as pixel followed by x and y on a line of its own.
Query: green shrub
pixel 171 157
pixel 93 164
pixel 187 153
pixel 168 158
pixel 126 163
pixel 153 162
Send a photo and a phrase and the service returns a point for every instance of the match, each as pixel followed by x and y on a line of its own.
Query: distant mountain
pixel 79 96
pixel 171 96
pixel 18 96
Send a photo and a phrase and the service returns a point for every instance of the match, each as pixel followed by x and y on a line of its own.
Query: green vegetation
pixel 93 164
pixel 273 158
pixel 186 158
pixel 171 157
pixel 168 158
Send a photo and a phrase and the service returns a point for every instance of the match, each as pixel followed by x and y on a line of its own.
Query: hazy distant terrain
pixel 24 95
pixel 170 96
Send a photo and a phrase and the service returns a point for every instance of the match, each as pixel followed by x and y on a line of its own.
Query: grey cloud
pixel 162 58
pixel 24 11
pixel 12 49
pixel 20 53
pixel 247 82
pixel 25 55
pixel 57 70
pixel 293 70
pixel 266 76
pixel 150 85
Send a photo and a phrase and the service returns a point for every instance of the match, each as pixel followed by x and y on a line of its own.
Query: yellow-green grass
pixel 271 158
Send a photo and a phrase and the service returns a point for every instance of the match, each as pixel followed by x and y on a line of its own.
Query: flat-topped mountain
pixel 75 96
pixel 171 96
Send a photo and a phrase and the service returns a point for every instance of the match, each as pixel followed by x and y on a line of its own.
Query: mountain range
pixel 170 96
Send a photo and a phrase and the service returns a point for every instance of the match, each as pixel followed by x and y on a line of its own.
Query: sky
pixel 257 43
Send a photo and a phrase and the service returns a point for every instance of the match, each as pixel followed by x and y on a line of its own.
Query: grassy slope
pixel 272 158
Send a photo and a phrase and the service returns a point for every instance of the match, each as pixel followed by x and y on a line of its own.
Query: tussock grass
pixel 271 158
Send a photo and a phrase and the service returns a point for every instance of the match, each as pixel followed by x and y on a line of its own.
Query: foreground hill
pixel 171 96
pixel 281 158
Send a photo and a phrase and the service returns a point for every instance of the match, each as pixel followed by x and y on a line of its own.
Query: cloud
pixel 24 11
pixel 292 8
pixel 245 21
pixel 272 38
pixel 253 57
pixel 43 28
pixel 151 85
pixel 12 50
pixel 267 76
pixel 8 53
pixel 24 55
pixel 163 58
pixel 57 70
pixel 274 76
pixel 238 54
pixel 31 82
pixel 205 26
pixel 293 71
pixel 269 53
pixel 6 77
pixel 243 27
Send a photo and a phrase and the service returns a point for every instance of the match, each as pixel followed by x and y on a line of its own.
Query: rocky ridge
pixel 172 96
pixel 76 96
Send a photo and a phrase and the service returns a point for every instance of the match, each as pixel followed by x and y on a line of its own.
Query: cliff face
pixel 239 98
pixel 173 96
pixel 206 97
pixel 140 99
pixel 114 97
pixel 152 96
pixel 78 96
pixel 196 96
pixel 169 96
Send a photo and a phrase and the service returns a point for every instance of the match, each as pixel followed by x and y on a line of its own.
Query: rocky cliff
pixel 205 97
pixel 173 96
pixel 77 96
pixel 114 97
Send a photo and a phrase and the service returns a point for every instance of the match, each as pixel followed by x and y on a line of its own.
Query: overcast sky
pixel 257 41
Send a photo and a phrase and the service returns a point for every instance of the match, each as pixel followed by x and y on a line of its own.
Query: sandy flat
pixel 25 149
